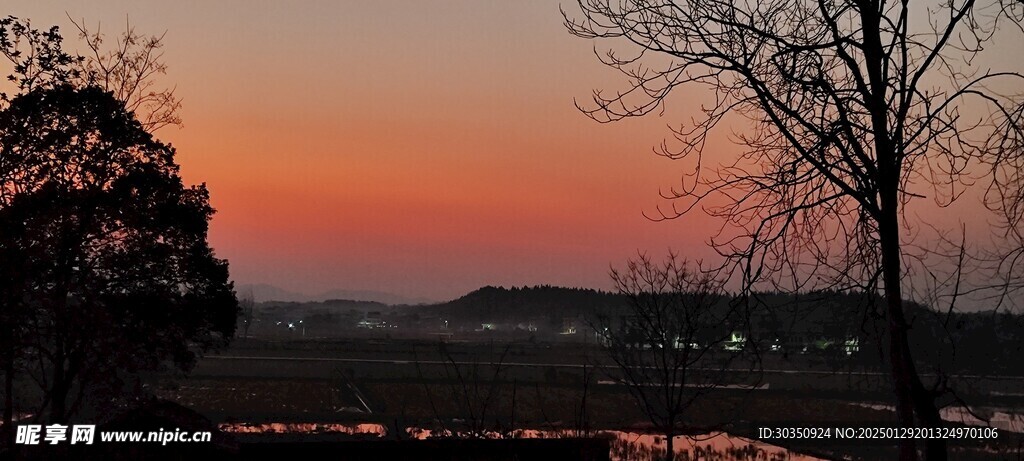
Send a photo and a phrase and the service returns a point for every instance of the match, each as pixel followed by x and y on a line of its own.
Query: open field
pixel 564 363
pixel 495 387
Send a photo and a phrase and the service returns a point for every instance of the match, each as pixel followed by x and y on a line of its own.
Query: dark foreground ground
pixel 286 398
pixel 478 387
pixel 313 448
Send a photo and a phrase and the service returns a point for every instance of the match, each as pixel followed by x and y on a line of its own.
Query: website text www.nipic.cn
pixel 85 434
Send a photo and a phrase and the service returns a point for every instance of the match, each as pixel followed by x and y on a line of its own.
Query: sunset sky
pixel 419 148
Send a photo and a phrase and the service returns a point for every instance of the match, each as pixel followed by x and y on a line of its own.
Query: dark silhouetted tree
pixel 247 310
pixel 107 269
pixel 37 57
pixel 669 348
pixel 847 112
pixel 129 68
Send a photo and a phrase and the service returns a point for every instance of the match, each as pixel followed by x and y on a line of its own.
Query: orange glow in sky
pixel 419 148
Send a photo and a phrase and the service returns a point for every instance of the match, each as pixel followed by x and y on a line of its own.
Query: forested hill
pixel 772 315
pixel 829 313
pixel 499 304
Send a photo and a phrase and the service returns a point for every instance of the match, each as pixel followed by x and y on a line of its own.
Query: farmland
pixel 496 387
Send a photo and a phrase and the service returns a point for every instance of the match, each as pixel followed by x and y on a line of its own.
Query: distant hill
pixel 808 314
pixel 498 304
pixel 263 292
pixel 823 322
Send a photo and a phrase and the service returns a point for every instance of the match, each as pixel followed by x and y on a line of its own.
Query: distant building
pixel 528 326
pixel 372 320
pixel 736 342
pixel 851 345
pixel 568 325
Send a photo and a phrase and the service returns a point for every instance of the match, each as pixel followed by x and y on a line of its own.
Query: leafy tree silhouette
pixel 105 269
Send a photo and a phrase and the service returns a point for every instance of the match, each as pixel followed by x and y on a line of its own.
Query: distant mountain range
pixel 262 292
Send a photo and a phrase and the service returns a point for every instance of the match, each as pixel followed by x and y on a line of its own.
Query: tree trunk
pixel 900 361
pixel 935 449
pixel 928 415
pixel 670 447
pixel 8 430
pixel 58 394
pixel 911 396
pixel 58 405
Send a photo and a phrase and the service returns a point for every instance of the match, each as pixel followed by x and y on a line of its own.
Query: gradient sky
pixel 420 148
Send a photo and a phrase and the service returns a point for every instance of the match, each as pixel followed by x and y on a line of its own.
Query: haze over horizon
pixel 419 149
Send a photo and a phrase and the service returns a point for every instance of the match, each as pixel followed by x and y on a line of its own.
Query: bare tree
pixel 670 347
pixel 475 389
pixel 852 110
pixel 130 69
pixel 473 392
pixel 247 309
